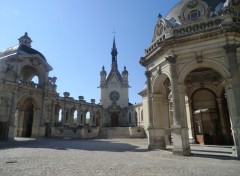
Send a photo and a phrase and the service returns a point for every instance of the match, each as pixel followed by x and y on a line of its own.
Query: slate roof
pixel 18 49
pixel 176 10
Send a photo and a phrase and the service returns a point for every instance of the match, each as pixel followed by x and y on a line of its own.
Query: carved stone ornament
pixel 171 59
pixel 159 70
pixel 52 80
pixel 148 74
pixel 4 101
pixel 114 96
pixel 192 4
pixel 35 62
pixel 199 57
pixel 142 60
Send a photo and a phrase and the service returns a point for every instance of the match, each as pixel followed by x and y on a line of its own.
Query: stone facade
pixel 193 76
pixel 31 106
pixel 191 95
pixel 114 94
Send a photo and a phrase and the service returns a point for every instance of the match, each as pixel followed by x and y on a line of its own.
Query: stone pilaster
pixel 52 117
pixel 222 117
pixel 235 120
pixel 150 129
pixel 179 131
pixel 12 116
pixel 233 94
pixel 231 55
pixel 190 122
pixel 158 121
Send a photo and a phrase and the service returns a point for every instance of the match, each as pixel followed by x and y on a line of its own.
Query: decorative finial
pixel 159 15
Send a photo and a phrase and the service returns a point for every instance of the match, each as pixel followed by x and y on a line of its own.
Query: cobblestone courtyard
pixel 105 157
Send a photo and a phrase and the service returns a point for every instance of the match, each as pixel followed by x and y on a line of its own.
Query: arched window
pixel 75 117
pixel 88 118
pixel 60 116
pixel 35 80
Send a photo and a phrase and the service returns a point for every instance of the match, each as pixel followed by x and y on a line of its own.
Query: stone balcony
pixel 29 84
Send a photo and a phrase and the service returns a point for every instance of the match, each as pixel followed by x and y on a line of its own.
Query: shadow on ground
pixel 68 143
pixel 108 145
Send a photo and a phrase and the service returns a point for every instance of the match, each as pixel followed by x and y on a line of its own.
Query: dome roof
pixel 185 12
pixel 24 47
pixel 177 11
pixel 20 49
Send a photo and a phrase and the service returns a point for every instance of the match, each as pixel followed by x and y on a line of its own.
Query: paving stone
pixel 104 157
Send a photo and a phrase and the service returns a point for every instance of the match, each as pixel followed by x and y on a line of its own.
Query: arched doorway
pixel 162 112
pixel 206 119
pixel 208 107
pixel 26 119
pixel 114 119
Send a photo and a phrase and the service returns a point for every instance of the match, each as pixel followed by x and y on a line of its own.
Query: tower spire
pixel 114 53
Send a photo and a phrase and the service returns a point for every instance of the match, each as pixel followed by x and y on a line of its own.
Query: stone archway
pixel 114 117
pixel 25 119
pixel 207 106
pixel 162 117
pixel 206 119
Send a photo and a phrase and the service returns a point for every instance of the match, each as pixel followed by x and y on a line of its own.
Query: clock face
pixel 114 96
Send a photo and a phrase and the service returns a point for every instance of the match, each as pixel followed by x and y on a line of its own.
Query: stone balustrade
pixel 30 84
pixel 187 30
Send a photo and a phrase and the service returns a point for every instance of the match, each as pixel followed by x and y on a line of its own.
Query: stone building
pixel 31 106
pixel 193 76
pixel 114 94
pixel 191 96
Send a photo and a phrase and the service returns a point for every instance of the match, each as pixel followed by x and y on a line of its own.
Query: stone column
pixel 150 129
pixel 180 135
pixel 20 123
pixel 78 117
pixel 222 117
pixel 36 131
pixel 234 118
pixel 167 129
pixel 149 93
pixel 12 116
pixel 183 116
pixel 190 122
pixel 233 94
pixel 41 122
pixel 52 118
pixel 91 123
pixel 158 120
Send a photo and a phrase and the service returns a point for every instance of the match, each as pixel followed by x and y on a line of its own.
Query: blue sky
pixel 76 37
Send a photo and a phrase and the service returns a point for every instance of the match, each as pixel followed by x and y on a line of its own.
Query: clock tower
pixel 114 92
